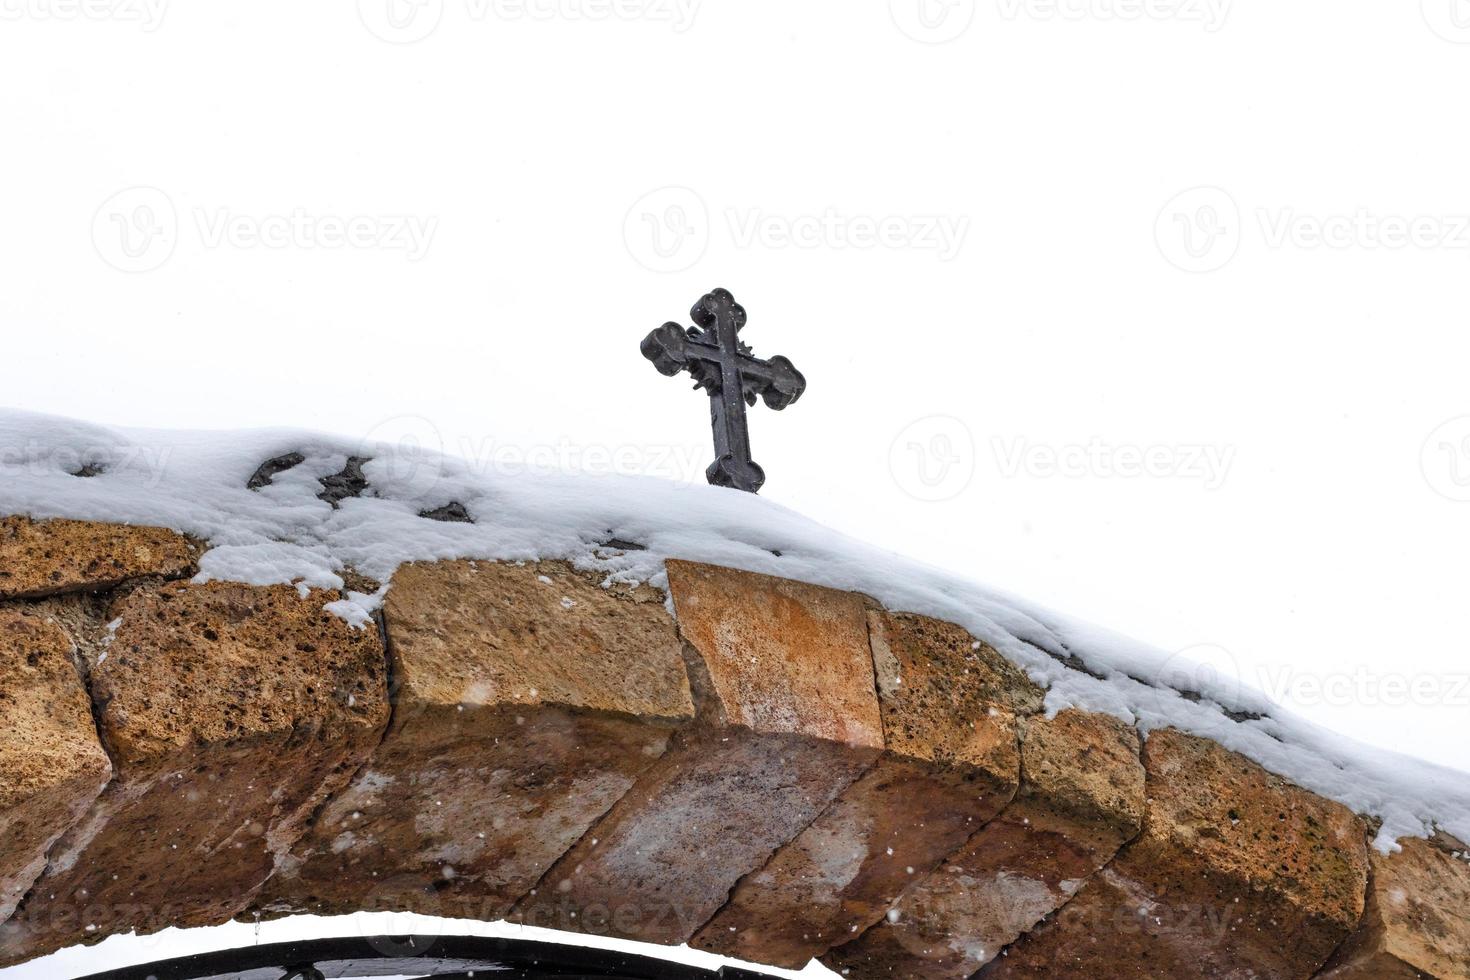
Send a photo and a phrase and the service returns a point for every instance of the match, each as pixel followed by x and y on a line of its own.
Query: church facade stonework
pixel 761 768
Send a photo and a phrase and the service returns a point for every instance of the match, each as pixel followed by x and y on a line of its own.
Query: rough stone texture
pixel 528 700
pixel 230 712
pixel 240 719
pixel 787 667
pixel 1081 799
pixel 842 872
pixel 1417 920
pixel 665 858
pixel 40 558
pixel 51 764
pixel 1236 873
pixel 782 656
pixel 937 685
pixel 949 709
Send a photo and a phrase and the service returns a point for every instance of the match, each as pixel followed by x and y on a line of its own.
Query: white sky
pixel 1177 227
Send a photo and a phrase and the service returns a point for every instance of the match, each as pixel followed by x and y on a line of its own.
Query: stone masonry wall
pixel 777 772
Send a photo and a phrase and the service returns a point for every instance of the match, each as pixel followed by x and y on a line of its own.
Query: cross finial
pixel 718 362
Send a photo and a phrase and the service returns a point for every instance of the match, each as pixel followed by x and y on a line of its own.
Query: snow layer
pixel 195 482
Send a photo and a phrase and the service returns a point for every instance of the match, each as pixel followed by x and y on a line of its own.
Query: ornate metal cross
pixel 718 362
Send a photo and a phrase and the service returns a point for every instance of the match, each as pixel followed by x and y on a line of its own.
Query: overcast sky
pixel 1155 314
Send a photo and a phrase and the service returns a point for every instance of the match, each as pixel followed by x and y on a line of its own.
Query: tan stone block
pixel 1236 873
pixel 937 684
pixel 1081 799
pixel 41 558
pixel 782 657
pixel 529 699
pixel 949 718
pixel 231 712
pixel 1417 920
pixel 789 719
pixel 52 765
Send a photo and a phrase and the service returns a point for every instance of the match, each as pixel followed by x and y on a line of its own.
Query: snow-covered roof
pixel 284 532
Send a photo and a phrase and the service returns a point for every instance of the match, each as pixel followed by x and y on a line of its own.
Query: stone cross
pixel 718 362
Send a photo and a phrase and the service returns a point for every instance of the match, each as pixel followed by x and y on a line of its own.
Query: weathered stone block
pixel 938 685
pixel 1417 920
pixel 41 558
pixel 1081 799
pixel 1236 873
pixel 782 657
pixel 230 713
pixel 790 718
pixel 528 700
pixel 51 764
pixel 949 710
pixel 665 858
